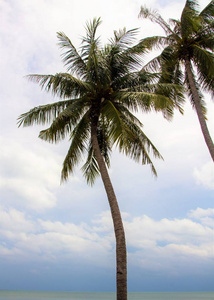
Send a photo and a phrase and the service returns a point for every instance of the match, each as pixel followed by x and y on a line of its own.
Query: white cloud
pixel 144 232
pixel 205 216
pixel 204 175
pixel 30 174
pixel 15 221
pixel 200 213
pixel 154 244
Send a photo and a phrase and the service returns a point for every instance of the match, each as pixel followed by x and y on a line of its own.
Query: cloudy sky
pixel 60 237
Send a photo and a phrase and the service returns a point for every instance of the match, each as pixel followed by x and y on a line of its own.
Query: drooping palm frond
pixel 135 144
pixel 43 114
pixel 90 169
pixel 65 122
pixel 124 129
pixel 113 117
pixel 154 42
pixel 146 101
pixel 79 137
pixel 204 61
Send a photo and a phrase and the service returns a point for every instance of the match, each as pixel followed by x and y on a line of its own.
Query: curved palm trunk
pixel 117 220
pixel 196 99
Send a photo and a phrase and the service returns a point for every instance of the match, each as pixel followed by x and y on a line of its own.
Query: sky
pixel 60 236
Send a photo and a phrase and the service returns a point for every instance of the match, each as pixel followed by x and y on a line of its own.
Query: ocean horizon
pixel 50 295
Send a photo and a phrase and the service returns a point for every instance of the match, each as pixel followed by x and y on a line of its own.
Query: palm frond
pixel 63 85
pixel 155 17
pixel 65 122
pixel 90 49
pixel 154 42
pixel 190 22
pixel 89 42
pixel 176 25
pixel 135 144
pixel 79 137
pixel 127 113
pixel 115 124
pixel 43 114
pixel 90 168
pixel 146 101
pixel 71 57
pixel 205 39
pixel 208 12
pixel 204 61
pixel 153 65
pixel 123 38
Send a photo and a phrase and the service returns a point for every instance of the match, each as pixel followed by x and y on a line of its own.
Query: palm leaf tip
pixel 144 12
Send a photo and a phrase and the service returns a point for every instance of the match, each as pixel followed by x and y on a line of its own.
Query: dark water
pixel 24 295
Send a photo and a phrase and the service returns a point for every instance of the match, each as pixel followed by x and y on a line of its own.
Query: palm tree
pixel 189 43
pixel 97 94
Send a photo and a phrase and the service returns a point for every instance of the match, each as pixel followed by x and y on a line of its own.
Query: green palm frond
pixel 90 168
pixel 135 144
pixel 208 12
pixel 127 113
pixel 134 81
pixel 71 57
pixel 205 40
pixel 176 24
pixel 79 137
pixel 204 61
pixel 65 122
pixel 115 124
pixel 63 85
pixel 154 42
pixel 90 48
pixel 146 101
pixel 154 16
pixel 42 114
pixel 123 39
pixel 153 65
pixel 190 22
pixel 124 58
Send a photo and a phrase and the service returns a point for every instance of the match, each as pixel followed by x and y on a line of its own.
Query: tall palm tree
pixel 189 43
pixel 97 94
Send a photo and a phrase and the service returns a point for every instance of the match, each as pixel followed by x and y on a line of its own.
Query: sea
pixel 36 295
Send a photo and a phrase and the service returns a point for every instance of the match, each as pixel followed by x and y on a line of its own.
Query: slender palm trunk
pixel 117 221
pixel 198 108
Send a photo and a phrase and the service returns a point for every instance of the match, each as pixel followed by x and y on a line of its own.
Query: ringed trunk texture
pixel 197 103
pixel 121 260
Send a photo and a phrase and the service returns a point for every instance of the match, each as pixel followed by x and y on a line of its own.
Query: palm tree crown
pixel 101 87
pixel 188 43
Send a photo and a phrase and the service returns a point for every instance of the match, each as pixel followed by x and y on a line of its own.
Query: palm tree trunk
pixel 117 220
pixel 198 108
